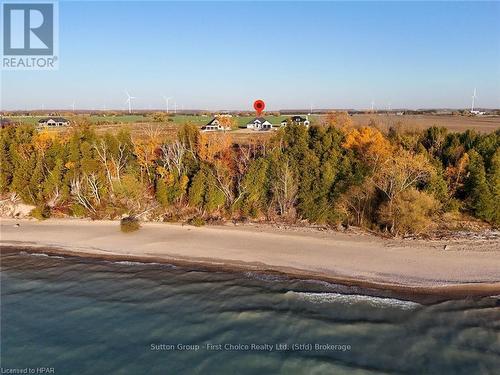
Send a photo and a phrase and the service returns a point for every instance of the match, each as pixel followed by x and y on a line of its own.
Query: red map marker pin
pixel 259 106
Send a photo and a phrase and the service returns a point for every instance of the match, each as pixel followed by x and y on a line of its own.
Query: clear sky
pixel 223 55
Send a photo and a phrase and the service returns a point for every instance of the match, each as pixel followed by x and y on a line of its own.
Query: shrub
pixel 78 210
pixel 410 213
pixel 129 224
pixel 197 221
pixel 41 212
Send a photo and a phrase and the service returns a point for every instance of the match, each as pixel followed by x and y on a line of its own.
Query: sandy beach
pixel 465 268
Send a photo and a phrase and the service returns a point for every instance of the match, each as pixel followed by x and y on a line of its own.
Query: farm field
pixel 483 124
pixel 139 124
pixel 133 119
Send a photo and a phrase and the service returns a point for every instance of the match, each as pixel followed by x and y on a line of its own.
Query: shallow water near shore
pixel 98 317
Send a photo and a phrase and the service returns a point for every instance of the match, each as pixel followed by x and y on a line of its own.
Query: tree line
pixel 396 181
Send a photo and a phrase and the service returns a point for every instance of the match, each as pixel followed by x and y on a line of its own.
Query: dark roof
pixel 212 121
pixel 295 119
pixel 56 119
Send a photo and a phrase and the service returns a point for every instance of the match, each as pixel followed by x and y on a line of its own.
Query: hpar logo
pixel 30 35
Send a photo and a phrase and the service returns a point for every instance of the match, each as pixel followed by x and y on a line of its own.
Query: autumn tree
pixel 6 163
pixel 411 212
pixel 227 122
pixel 146 148
pixel 341 120
pixel 369 144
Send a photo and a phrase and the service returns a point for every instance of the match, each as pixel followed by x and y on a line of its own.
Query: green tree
pixel 411 212
pixel 255 186
pixel 6 166
pixel 479 194
pixel 494 182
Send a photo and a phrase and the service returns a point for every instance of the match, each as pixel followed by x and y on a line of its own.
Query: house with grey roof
pixel 214 125
pixel 53 122
pixel 259 123
pixel 298 120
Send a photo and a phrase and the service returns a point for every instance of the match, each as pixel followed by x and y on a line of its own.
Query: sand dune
pixel 466 268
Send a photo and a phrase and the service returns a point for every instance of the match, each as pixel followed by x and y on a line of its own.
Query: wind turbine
pixel 129 101
pixel 166 100
pixel 373 105
pixel 474 96
pixel 175 107
pixel 73 106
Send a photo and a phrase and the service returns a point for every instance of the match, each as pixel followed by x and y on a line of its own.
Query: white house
pixel 259 123
pixel 53 121
pixel 299 120
pixel 477 113
pixel 213 126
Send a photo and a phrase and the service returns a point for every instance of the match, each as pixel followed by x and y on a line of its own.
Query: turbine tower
pixel 474 96
pixel 166 100
pixel 129 101
pixel 73 106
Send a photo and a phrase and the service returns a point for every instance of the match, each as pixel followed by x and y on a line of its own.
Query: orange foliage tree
pixel 227 122
pixel 214 145
pixel 369 144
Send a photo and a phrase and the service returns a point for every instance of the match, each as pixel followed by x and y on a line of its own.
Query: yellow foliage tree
pixel 227 122
pixel 410 213
pixel 457 173
pixel 42 140
pixel 212 146
pixel 369 143
pixel 146 149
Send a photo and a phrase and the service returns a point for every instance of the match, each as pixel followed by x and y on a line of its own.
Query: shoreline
pixel 419 270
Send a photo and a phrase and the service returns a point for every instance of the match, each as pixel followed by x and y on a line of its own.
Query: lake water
pixel 79 316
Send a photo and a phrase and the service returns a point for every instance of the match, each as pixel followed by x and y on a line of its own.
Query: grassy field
pixel 132 119
pixel 139 124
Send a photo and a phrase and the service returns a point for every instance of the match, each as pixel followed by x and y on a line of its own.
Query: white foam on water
pixel 264 276
pixel 130 263
pixel 40 255
pixel 351 299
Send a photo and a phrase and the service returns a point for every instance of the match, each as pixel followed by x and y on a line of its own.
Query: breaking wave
pixel 351 299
